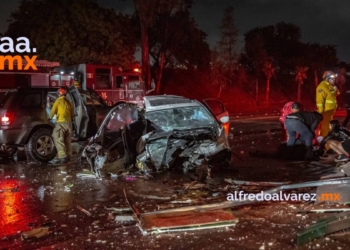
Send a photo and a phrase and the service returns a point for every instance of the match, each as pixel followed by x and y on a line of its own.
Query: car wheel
pixel 41 145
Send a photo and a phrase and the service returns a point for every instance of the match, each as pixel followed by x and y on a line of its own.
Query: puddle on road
pixel 30 194
pixel 15 212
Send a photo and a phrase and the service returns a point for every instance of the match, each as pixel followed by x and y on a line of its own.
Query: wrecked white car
pixel 168 132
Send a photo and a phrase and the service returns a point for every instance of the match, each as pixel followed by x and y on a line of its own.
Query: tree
pixel 256 55
pixel 225 55
pixel 145 10
pixel 319 58
pixel 280 42
pixel 167 34
pixel 228 37
pixel 72 32
pixel 175 41
pixel 269 71
pixel 299 78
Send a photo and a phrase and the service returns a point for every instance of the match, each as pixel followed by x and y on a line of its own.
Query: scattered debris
pixel 187 221
pixel 253 183
pixel 122 209
pixel 229 204
pixel 194 185
pixel 325 210
pixel 37 232
pixel 124 218
pixel 153 197
pixel 130 178
pixel 84 211
pixel 182 202
pixel 324 227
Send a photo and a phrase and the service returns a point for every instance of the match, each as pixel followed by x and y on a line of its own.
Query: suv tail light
pixel 7 118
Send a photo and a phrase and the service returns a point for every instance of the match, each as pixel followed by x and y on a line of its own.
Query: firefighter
pixel 326 100
pixel 64 111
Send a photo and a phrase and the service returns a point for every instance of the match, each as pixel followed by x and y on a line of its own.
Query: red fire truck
pixel 111 82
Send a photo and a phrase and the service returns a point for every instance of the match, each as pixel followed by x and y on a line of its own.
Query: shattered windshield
pixel 181 118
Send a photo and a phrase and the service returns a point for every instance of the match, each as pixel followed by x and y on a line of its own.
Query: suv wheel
pixel 41 146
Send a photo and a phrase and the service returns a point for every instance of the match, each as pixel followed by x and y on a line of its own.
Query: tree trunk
pixel 219 91
pixel 316 78
pixel 267 91
pixel 160 72
pixel 299 89
pixel 146 71
pixel 257 91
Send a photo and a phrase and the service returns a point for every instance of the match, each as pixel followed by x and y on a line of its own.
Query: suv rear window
pixel 32 100
pixel 4 96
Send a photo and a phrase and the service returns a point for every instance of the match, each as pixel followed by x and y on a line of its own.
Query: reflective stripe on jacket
pixel 63 109
pixel 326 97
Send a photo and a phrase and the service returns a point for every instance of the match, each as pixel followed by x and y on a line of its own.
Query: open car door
pixel 112 136
pixel 81 117
pixel 218 109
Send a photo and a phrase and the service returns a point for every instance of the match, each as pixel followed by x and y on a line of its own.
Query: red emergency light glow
pixel 136 70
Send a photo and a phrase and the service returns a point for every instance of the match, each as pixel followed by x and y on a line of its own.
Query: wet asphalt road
pixel 47 196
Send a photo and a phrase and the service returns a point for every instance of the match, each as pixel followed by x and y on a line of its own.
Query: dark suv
pixel 24 120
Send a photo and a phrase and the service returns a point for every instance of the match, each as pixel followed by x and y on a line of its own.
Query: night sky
pixel 321 21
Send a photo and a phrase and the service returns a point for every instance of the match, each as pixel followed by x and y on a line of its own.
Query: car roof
pixel 158 102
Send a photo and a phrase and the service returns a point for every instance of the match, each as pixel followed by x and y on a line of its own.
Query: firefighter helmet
pixel 61 91
pixel 329 74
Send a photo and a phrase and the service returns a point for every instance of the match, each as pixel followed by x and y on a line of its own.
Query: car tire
pixel 41 147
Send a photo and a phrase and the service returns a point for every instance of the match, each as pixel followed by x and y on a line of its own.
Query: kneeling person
pixel 304 123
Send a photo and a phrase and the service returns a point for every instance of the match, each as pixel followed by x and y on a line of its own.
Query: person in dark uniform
pixel 304 123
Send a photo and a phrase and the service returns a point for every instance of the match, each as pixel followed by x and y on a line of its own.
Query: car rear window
pixel 4 96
